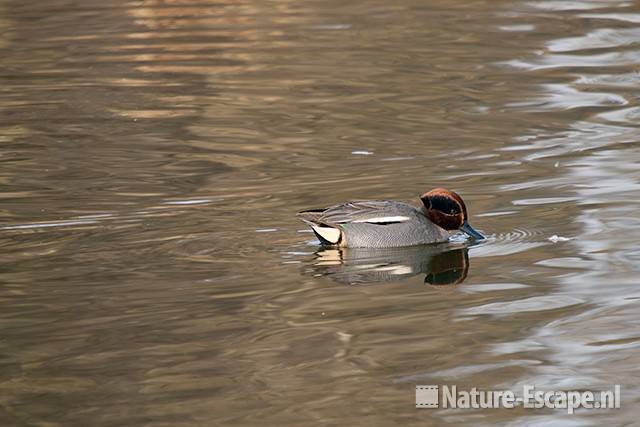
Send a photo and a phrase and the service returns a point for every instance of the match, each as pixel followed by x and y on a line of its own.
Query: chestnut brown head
pixel 447 210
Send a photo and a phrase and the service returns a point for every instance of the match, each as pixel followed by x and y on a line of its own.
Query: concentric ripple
pixel 509 243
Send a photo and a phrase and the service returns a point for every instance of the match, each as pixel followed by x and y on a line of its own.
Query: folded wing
pixel 328 223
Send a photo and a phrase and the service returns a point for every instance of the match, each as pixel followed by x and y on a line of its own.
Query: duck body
pixel 389 224
pixel 373 224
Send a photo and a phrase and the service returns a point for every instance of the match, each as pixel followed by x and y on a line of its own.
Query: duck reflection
pixel 440 265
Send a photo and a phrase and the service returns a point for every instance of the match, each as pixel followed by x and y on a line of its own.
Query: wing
pixel 370 211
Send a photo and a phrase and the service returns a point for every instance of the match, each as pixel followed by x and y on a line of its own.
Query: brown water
pixel 154 154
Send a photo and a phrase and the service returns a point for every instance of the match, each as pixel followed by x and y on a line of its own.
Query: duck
pixel 389 223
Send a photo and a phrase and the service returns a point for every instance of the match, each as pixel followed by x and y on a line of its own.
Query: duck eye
pixel 445 205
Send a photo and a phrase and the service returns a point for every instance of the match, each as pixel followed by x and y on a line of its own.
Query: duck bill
pixel 467 228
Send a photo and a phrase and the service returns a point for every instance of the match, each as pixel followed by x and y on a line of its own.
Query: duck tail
pixel 327 234
pixel 311 215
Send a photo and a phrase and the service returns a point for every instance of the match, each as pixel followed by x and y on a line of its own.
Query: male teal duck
pixel 387 223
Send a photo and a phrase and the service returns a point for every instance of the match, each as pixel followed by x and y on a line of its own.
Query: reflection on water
pixel 153 156
pixel 439 265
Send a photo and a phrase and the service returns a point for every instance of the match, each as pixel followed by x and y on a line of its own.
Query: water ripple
pixel 563 97
pixel 597 39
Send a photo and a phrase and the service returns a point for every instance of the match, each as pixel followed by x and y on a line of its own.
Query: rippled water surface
pixel 154 154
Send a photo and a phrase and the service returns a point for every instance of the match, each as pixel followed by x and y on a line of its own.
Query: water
pixel 154 154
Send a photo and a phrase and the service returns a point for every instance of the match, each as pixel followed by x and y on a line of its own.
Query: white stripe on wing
pixel 384 219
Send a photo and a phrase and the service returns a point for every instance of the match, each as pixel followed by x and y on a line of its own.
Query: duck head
pixel 447 210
